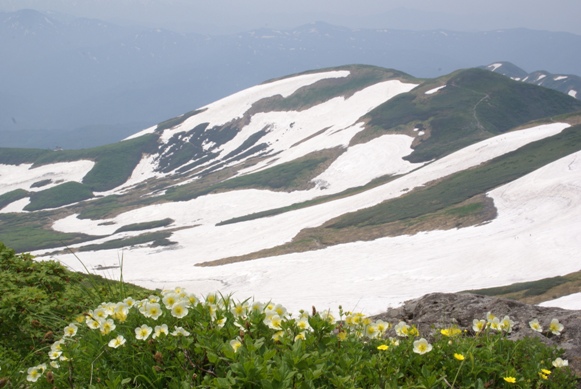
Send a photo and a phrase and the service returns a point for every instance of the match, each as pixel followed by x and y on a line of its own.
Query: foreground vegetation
pixel 62 329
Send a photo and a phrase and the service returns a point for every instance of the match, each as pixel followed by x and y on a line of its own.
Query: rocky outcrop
pixel 438 310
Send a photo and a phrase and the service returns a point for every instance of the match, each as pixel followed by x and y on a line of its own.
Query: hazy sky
pixel 227 16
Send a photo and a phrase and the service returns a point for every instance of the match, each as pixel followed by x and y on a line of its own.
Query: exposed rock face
pixel 443 309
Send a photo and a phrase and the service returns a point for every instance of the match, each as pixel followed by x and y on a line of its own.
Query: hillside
pixel 344 179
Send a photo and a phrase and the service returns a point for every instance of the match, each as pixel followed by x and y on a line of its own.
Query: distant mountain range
pixel 566 83
pixel 78 83
pixel 353 184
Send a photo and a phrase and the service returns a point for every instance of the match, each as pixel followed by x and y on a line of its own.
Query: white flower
pixel 239 310
pixel 107 326
pixel 555 327
pixel 92 324
pixel 371 331
pixel 152 310
pixel 170 299
pixel 120 311
pixel 99 314
pixel 535 325
pixel 58 345
pixel 382 326
pixel 560 362
pixel 236 344
pixel 143 332
pixel 179 331
pixel 35 372
pixel 71 330
pixel 422 346
pixel 506 324
pixel 220 322
pixel 54 354
pixel 273 321
pixel 495 324
pixel 478 325
pixel 402 329
pixel 129 301
pixel 179 310
pixel 303 324
pixel 257 306
pixel 162 329
pixel 116 342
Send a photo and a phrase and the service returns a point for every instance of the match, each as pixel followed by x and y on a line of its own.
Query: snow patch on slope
pixel 354 169
pixel 234 106
pixel 432 91
pixel 23 176
pixel 293 132
pixel 572 301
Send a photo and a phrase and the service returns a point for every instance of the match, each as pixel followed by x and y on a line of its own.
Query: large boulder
pixel 439 310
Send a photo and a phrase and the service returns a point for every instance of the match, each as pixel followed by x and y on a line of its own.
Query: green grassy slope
pixel 474 105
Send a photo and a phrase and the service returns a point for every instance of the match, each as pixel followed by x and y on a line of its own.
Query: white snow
pixel 572 301
pixel 234 106
pixel 572 93
pixel 558 78
pixel 16 206
pixel 494 66
pixel 432 91
pixel 23 176
pixel 541 76
pixel 149 130
pixel 539 217
pixel 353 168
pixel 292 133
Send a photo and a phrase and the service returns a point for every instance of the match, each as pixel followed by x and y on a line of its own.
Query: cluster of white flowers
pixel 555 327
pixel 177 303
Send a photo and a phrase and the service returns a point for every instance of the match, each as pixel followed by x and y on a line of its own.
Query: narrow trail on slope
pixel 474 114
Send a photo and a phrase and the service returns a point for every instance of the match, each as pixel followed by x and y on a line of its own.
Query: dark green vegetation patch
pixel 153 238
pixel 39 299
pixel 475 104
pixel 12 196
pixel 57 196
pixel 146 225
pixel 31 231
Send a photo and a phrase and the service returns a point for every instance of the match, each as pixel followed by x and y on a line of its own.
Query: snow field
pixel 534 236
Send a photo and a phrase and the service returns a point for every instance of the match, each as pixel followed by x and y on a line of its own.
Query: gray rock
pixel 439 310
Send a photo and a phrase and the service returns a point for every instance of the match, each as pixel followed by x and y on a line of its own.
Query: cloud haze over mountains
pixel 77 83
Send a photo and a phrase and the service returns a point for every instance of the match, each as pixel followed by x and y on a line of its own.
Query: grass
pixel 57 196
pixel 153 238
pixel 474 105
pixel 534 292
pixel 31 231
pixel 146 225
pixel 12 196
